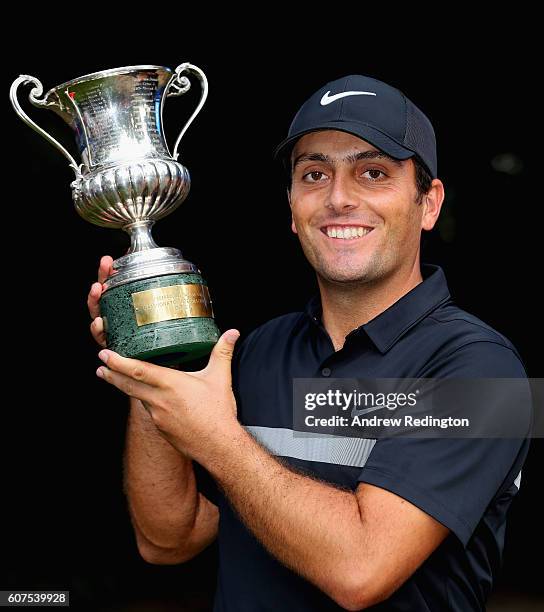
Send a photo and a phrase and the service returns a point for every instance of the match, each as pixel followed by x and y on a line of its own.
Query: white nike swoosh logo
pixel 326 99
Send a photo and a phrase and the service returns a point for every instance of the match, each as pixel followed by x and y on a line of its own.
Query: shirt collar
pixel 389 326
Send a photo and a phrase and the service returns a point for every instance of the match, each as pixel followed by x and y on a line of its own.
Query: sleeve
pixel 455 479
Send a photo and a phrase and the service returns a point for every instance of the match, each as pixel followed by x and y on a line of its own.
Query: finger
pixel 127 385
pixel 139 371
pixel 97 331
pixel 105 268
pixel 93 299
pixel 221 356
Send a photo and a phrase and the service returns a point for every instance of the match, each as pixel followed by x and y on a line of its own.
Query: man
pixel 305 523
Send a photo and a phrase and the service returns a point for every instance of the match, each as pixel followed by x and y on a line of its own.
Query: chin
pixel 350 272
pixel 345 276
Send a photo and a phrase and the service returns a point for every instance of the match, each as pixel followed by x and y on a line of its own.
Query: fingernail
pixel 232 335
pixel 100 372
pixel 104 355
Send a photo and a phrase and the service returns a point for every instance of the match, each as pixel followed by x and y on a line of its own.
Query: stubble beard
pixel 371 269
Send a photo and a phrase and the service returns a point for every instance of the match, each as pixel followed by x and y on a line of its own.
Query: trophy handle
pixel 180 85
pixel 35 93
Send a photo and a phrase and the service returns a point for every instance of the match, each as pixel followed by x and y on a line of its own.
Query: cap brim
pixel 373 136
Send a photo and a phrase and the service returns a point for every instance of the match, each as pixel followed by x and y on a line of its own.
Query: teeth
pixel 347 233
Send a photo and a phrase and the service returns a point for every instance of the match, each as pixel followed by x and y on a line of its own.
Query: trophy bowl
pixel 156 306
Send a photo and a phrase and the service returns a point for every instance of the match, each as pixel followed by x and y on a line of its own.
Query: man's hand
pixel 105 270
pixel 194 411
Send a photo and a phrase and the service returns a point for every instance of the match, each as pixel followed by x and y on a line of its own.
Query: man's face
pixel 354 209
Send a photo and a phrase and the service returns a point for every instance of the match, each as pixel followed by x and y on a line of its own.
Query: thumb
pixel 221 355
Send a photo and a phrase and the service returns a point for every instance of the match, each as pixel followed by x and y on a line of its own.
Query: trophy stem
pixel 140 236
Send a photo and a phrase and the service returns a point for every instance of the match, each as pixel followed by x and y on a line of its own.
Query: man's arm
pixel 172 521
pixel 356 547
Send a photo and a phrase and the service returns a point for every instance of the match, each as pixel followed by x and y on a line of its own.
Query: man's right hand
pixel 105 269
pixel 172 522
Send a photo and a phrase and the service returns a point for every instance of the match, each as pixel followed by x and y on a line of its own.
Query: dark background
pixel 64 520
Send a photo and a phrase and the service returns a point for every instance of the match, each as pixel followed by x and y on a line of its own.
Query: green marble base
pixel 167 342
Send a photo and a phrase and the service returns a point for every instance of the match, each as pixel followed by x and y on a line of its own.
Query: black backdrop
pixel 64 520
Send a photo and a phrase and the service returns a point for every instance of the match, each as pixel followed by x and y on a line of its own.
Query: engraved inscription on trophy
pixel 145 97
pixel 174 302
pixel 121 124
pixel 100 131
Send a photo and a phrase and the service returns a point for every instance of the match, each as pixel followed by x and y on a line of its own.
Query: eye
pixel 374 174
pixel 313 177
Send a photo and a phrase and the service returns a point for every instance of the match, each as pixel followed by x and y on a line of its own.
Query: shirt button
pixel 326 371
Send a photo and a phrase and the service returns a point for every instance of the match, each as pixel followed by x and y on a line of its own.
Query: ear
pixel 293 226
pixel 432 202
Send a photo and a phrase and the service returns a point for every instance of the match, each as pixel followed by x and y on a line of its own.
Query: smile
pixel 346 232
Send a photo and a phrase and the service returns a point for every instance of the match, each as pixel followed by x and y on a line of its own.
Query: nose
pixel 342 195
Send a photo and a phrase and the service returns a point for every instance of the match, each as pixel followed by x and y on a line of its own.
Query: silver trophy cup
pixel 156 305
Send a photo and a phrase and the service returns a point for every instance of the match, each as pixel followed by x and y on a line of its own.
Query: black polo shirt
pixel 466 484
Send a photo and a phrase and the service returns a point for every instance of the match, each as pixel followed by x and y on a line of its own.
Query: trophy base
pixel 166 319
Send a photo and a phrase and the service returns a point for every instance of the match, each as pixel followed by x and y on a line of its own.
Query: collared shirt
pixel 465 484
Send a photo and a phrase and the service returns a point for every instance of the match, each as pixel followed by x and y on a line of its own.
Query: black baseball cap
pixel 370 109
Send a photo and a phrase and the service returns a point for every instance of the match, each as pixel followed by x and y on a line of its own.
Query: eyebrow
pixel 350 159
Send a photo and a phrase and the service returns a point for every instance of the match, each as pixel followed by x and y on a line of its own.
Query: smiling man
pixel 359 215
pixel 310 522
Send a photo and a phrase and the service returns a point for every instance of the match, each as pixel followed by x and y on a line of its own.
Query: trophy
pixel 155 305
